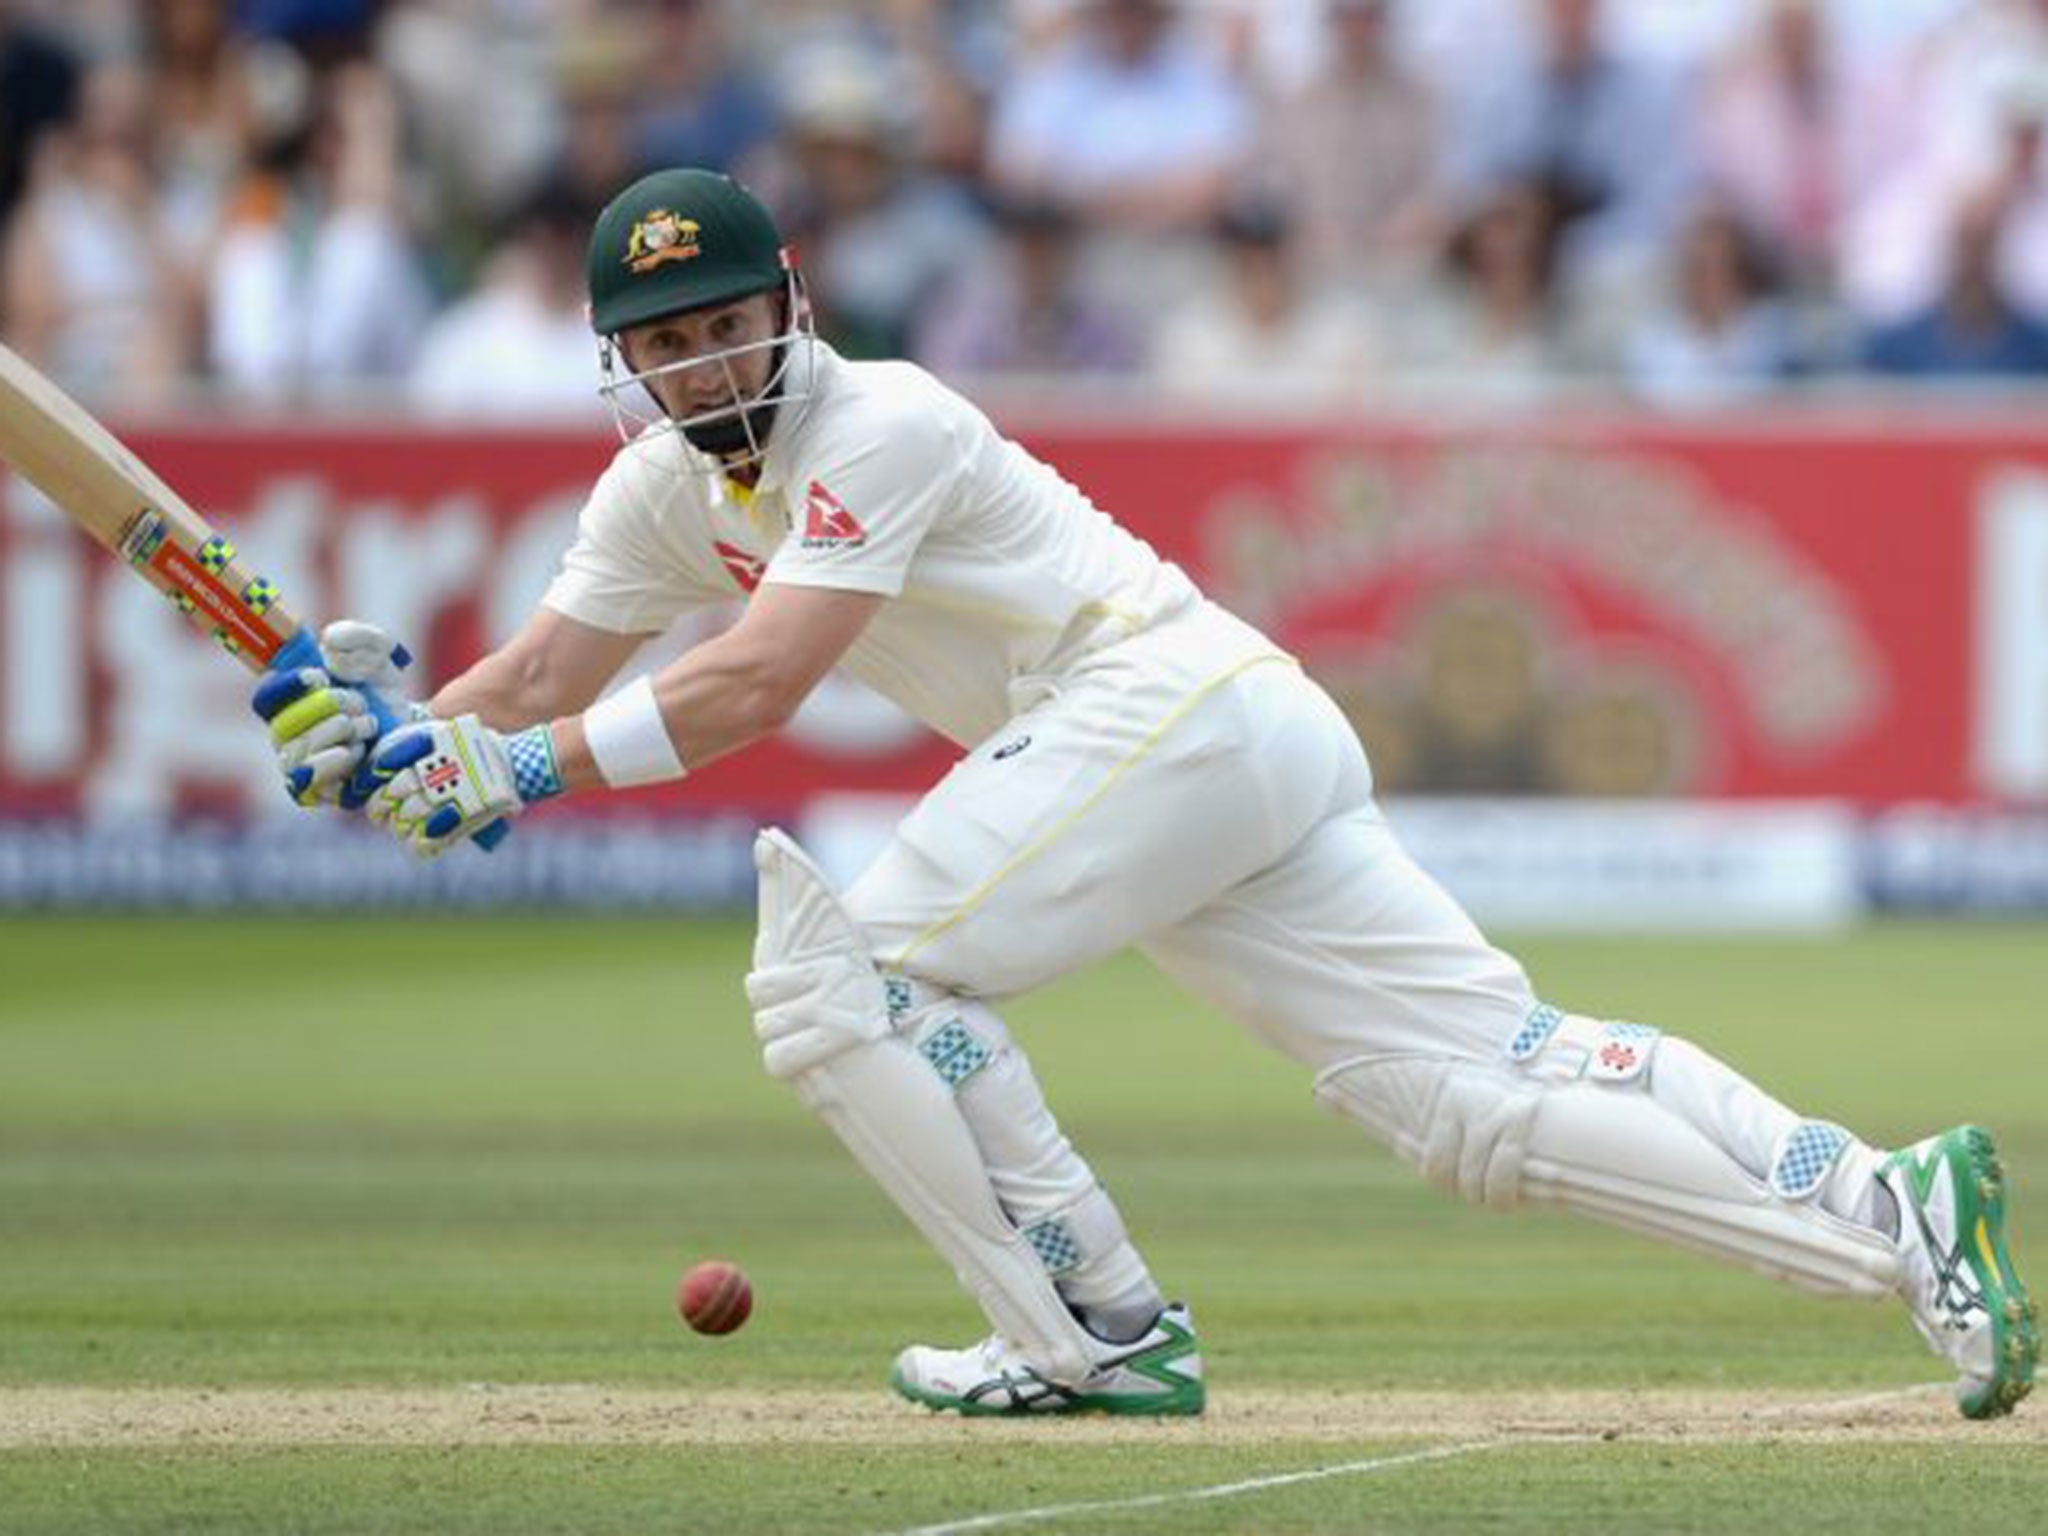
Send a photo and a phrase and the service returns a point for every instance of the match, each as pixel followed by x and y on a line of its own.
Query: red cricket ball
pixel 714 1297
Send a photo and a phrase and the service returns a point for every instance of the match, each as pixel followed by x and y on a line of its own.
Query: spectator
pixel 1773 136
pixel 1932 122
pixel 201 113
pixel 315 289
pixel 1264 337
pixel 519 346
pixel 878 238
pixel 1128 122
pixel 596 81
pixel 955 52
pixel 2020 179
pixel 1974 329
pixel 95 290
pixel 326 32
pixel 1024 308
pixel 1610 131
pixel 1355 152
pixel 1721 335
pixel 38 89
pixel 699 103
pixel 483 105
pixel 1490 325
pixel 1900 249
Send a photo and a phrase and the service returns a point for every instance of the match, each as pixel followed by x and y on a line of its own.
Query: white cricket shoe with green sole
pixel 1159 1373
pixel 1957 1273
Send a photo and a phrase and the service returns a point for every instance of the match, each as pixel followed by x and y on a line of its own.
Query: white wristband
pixel 628 738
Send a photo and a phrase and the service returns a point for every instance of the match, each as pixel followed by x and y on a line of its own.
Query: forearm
pixel 503 690
pixel 711 701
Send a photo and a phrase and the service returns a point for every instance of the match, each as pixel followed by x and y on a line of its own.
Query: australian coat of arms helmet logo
pixel 661 237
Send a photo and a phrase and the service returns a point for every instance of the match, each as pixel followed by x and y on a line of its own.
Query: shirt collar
pixel 793 418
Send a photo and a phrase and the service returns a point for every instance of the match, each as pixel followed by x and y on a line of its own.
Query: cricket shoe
pixel 1956 1273
pixel 1158 1373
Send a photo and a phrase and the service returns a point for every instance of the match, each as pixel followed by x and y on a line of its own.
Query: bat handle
pixel 302 650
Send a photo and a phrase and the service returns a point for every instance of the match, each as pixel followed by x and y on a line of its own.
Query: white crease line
pixel 1219 1490
pixel 1359 1468
pixel 1850 1404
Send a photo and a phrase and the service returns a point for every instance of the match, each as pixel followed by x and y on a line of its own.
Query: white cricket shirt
pixel 1000 574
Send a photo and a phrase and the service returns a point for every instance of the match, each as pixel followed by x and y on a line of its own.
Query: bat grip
pixel 302 650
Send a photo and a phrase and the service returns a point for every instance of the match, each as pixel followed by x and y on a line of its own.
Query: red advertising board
pixel 1763 608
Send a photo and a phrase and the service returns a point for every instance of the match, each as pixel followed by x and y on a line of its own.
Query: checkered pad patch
pixel 1805 1157
pixel 215 553
pixel 1053 1241
pixel 1535 1032
pixel 896 997
pixel 179 600
pixel 954 1053
pixel 259 594
pixel 534 774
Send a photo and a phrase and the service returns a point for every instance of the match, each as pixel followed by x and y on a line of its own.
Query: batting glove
pixel 441 781
pixel 322 723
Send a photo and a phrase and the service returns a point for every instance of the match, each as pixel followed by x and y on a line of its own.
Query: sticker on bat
pixel 145 531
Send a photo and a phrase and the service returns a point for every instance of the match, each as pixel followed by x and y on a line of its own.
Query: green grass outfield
pixel 374 1226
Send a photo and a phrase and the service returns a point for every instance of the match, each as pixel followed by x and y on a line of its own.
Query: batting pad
pixel 1570 1120
pixel 821 1010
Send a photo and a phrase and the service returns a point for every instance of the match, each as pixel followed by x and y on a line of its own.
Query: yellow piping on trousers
pixel 982 892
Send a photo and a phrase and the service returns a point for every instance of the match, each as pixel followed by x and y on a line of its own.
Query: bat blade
pixel 122 503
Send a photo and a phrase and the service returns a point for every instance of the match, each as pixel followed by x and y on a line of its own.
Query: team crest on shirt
pixel 827 523
pixel 660 237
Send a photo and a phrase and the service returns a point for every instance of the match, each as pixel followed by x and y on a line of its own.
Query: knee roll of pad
pixel 1463 1124
pixel 1567 1117
pixel 813 988
pixel 1466 1123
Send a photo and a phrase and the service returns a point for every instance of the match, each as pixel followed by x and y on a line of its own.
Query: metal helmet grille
pixel 779 402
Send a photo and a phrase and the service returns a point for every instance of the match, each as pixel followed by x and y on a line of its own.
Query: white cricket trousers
pixel 1190 791
pixel 1204 800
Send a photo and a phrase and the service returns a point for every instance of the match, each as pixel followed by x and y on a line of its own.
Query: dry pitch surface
pixel 482 1415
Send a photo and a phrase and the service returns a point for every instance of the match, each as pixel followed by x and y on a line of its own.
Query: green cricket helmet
pixel 686 239
pixel 678 240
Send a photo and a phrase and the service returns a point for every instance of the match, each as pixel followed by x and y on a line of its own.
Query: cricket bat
pixel 121 503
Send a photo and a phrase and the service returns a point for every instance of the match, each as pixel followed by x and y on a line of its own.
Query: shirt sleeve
pixel 617 576
pixel 858 512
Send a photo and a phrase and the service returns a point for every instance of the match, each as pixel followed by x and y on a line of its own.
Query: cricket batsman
pixel 1139 767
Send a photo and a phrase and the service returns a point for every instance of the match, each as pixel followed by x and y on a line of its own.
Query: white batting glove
pixel 442 781
pixel 321 723
pixel 356 652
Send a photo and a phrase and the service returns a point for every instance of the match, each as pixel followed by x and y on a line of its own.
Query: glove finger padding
pixel 440 781
pixel 316 711
pixel 342 730
pixel 389 769
pixel 275 691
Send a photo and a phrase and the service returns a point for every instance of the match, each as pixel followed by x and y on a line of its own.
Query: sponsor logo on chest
pixel 744 566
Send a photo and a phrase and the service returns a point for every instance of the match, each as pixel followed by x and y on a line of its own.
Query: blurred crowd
pixel 1269 204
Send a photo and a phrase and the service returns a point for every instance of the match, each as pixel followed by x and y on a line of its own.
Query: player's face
pixel 682 354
